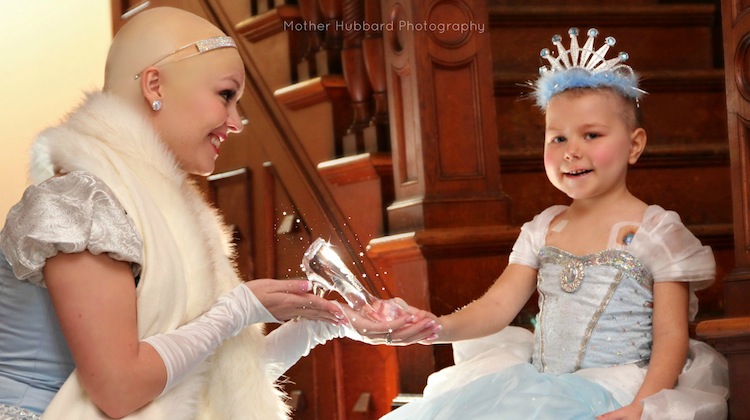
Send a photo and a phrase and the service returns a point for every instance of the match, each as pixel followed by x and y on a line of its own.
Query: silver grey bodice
pixel 608 323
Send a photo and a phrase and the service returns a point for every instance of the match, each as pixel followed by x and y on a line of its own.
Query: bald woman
pixel 119 297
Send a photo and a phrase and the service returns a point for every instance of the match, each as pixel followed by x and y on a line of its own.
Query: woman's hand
pixel 410 326
pixel 288 299
pixel 629 412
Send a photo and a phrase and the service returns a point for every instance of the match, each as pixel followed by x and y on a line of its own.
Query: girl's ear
pixel 151 84
pixel 637 143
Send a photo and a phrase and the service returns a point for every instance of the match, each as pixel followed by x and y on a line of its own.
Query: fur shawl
pixel 186 262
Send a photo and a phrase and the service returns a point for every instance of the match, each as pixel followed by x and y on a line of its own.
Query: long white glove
pixel 186 347
pixel 293 340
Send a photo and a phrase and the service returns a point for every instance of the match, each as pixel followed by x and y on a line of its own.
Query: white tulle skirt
pixel 493 379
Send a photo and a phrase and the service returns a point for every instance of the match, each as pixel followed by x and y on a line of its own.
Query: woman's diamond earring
pixel 156 105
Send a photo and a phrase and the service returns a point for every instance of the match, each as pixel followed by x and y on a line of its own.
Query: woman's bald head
pixel 147 38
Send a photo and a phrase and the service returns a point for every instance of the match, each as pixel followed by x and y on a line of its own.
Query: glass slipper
pixel 327 272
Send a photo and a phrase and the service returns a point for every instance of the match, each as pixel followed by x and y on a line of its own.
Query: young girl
pixel 615 278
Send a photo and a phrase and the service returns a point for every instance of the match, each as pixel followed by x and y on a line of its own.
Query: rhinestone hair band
pixel 204 45
pixel 584 67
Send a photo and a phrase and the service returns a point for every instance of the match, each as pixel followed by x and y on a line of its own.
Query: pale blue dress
pixel 71 213
pixel 592 343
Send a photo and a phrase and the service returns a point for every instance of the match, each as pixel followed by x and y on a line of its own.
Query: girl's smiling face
pixel 589 142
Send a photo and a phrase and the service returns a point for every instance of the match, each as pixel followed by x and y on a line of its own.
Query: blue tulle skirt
pixel 518 392
pixel 493 379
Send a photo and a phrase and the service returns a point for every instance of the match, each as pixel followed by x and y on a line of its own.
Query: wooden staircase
pixel 419 157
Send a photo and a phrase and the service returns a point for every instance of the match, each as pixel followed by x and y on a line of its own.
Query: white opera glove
pixel 293 340
pixel 185 348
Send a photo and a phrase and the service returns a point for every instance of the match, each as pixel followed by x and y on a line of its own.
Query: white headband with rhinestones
pixel 584 67
pixel 204 45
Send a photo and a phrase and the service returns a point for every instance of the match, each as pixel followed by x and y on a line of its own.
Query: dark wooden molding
pixel 467 241
pixel 703 80
pixel 449 242
pixel 630 16
pixel 655 156
pixel 716 235
pixel 708 80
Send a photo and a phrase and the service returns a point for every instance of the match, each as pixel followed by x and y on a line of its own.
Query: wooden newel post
pixel 736 24
pixel 329 57
pixel 355 74
pixel 373 48
pixel 731 335
pixel 310 12
pixel 445 158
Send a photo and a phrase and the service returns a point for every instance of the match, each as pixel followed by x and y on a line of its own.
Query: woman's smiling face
pixel 199 107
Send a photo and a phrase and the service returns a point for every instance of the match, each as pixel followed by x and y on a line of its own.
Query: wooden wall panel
pixel 443 119
pixel 732 335
pixel 736 23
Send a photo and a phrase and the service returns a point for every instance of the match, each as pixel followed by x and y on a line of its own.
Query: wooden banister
pixel 718 329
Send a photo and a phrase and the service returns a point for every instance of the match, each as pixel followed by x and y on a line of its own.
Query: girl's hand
pixel 411 326
pixel 629 412
pixel 423 329
pixel 289 299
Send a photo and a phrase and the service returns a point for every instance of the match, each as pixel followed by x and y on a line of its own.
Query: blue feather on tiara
pixel 584 67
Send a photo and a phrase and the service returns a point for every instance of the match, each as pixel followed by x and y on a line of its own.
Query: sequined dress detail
pixel 602 319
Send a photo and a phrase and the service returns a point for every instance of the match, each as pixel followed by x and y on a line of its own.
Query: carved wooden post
pixel 355 74
pixel 449 209
pixel 731 336
pixel 310 12
pixel 372 46
pixel 329 58
pixel 736 24
pixel 443 133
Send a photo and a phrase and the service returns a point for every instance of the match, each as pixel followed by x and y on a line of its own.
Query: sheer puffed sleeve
pixel 69 214
pixel 672 253
pixel 532 238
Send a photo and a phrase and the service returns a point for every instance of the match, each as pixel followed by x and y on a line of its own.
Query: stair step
pixel 267 35
pixel 320 112
pixel 681 107
pixel 357 168
pixel 361 182
pixel 656 37
pixel 267 23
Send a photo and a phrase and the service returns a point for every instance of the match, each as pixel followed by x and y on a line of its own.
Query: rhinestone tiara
pixel 584 67
pixel 202 46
